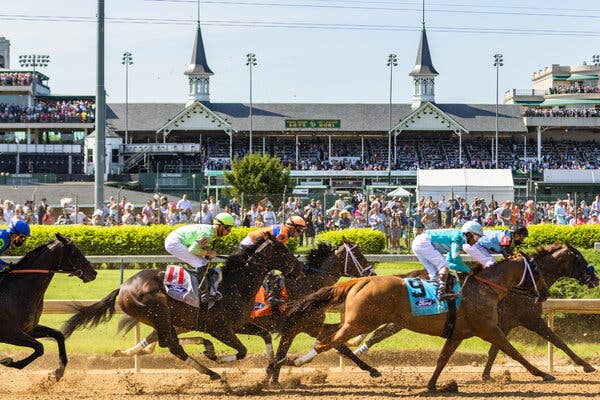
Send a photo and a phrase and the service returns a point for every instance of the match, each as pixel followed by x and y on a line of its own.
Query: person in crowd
pixel 14 235
pixel 97 219
pixel 148 213
pixel 184 204
pixel 428 248
pixel 193 243
pixel 41 210
pixel 48 218
pixel 128 218
pixel 496 241
pixel 269 216
pixel 64 218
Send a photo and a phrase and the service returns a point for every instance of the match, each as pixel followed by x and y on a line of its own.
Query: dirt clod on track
pixel 320 380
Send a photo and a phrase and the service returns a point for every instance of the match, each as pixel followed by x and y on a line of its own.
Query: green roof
pixel 528 102
pixel 568 101
pixel 582 77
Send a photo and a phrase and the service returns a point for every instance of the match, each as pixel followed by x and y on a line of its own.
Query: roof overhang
pixel 429 117
pixel 196 116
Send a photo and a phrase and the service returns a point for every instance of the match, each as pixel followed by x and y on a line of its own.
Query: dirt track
pixel 323 380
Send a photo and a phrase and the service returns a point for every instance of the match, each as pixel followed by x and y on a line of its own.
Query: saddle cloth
pixel 181 285
pixel 423 297
pixel 262 308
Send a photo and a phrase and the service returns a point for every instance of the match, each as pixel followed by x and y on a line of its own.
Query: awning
pixel 560 78
pixel 568 101
pixel 528 103
pixel 400 192
pixel 582 77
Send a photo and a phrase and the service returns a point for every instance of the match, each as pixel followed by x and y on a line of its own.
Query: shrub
pixel 369 241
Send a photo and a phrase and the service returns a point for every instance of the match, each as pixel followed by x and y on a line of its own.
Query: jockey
pixel 292 228
pixel 428 248
pixel 15 235
pixel 495 241
pixel 193 244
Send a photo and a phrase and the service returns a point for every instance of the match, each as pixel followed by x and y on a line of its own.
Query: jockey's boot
pixel 443 293
pixel 214 279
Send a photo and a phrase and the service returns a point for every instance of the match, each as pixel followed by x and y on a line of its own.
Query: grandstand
pixel 45 137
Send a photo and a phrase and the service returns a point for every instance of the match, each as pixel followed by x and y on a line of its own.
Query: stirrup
pixel 447 296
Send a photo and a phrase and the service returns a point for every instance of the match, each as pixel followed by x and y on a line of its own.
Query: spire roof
pixel 198 64
pixel 423 65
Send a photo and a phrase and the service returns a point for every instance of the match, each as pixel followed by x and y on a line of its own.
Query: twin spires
pixel 423 73
pixel 198 71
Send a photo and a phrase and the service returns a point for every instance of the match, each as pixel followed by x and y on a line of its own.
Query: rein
pixel 526 271
pixel 350 255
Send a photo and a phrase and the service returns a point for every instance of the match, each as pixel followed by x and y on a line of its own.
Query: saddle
pixel 182 284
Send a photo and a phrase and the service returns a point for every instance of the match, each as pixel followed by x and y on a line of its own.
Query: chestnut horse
pixel 555 261
pixel 143 298
pixel 373 301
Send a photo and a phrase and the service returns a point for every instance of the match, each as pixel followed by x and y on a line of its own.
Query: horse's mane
pixel 35 253
pixel 315 257
pixel 238 258
pixel 546 250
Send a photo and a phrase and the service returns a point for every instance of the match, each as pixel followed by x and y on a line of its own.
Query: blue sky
pixel 307 50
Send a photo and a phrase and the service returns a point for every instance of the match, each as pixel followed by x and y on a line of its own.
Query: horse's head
pixel 355 263
pixel 279 257
pixel 575 266
pixel 72 260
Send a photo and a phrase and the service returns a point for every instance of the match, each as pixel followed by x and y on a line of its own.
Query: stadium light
pixel 498 62
pixel 250 62
pixel 392 62
pixel 596 60
pixel 127 61
pixel 33 61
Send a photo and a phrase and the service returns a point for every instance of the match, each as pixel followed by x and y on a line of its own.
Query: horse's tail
pixel 316 302
pixel 126 323
pixel 91 316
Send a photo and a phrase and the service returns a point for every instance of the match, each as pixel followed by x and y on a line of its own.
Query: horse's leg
pixel 494 335
pixel 42 331
pixel 344 350
pixel 145 346
pixel 328 340
pixel 285 342
pixel 538 326
pixel 160 319
pixel 447 351
pixel 380 334
pixel 21 339
pixel 487 370
pixel 228 337
pixel 251 329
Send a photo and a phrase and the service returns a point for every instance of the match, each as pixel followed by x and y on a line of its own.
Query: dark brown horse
pixel 324 267
pixel 143 298
pixel 373 301
pixel 22 295
pixel 517 309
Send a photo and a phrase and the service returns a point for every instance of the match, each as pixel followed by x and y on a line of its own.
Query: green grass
pixel 104 339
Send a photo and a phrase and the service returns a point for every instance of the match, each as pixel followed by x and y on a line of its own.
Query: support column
pixel 329 149
pixel 459 133
pixel 362 149
pixel 297 152
pixel 539 144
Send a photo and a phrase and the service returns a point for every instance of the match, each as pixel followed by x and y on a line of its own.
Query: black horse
pixel 143 298
pixel 22 292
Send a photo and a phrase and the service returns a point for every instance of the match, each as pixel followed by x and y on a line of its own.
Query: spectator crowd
pixel 390 215
pixel 49 111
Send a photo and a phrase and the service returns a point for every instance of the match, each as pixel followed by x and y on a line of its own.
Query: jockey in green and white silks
pixel 429 246
pixel 193 243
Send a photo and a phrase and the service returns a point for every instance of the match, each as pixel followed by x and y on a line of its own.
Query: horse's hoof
pixel 375 374
pixel 214 376
pixel 118 353
pixel 549 378
pixel 59 373
pixel 486 378
pixel 6 361
pixel 589 368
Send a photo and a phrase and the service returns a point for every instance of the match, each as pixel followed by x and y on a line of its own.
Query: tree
pixel 255 176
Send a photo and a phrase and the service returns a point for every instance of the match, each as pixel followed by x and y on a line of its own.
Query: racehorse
pixel 143 298
pixel 324 266
pixel 22 292
pixel 373 301
pixel 555 261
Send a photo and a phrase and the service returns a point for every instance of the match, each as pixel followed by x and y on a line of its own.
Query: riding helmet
pixel 20 228
pixel 473 227
pixel 224 219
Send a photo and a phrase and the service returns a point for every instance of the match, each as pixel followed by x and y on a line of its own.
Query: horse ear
pixel 62 238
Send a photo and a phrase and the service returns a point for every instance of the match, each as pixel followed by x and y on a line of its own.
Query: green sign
pixel 312 123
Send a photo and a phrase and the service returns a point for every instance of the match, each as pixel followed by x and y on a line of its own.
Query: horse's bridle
pixel 527 271
pixel 350 256
pixel 586 277
pixel 78 272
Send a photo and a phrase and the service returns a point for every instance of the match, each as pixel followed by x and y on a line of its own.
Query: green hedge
pixel 149 240
pixel 123 240
pixel 369 241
